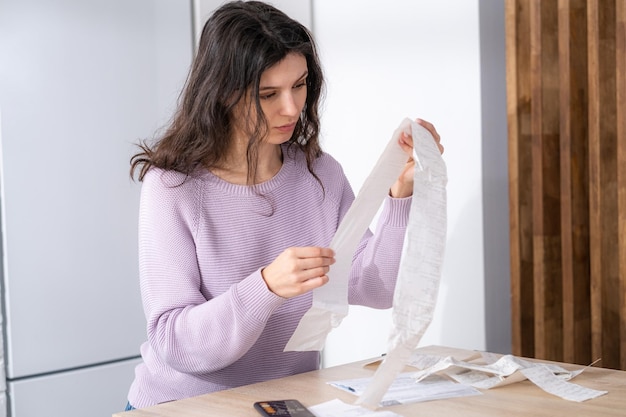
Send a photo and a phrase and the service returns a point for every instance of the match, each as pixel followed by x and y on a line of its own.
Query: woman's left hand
pixel 403 187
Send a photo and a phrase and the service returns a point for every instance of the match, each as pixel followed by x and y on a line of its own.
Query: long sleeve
pixel 185 327
pixel 377 258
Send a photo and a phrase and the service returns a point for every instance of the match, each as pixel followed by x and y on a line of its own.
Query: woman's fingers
pixel 289 274
pixel 431 128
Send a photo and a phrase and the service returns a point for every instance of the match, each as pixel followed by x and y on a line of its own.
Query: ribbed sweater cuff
pixel 256 298
pixel 396 211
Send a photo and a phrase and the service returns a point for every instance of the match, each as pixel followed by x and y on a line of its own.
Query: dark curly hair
pixel 239 42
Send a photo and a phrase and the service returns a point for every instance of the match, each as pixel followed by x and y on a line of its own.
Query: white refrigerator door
pixel 80 83
pixel 94 391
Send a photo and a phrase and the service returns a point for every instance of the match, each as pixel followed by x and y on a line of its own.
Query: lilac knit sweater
pixel 212 322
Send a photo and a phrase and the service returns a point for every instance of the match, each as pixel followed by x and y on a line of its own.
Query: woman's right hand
pixel 298 270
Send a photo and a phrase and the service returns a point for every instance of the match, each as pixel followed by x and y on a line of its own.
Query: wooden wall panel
pixel 620 65
pixel 545 173
pixel 566 104
pixel 603 185
pixel 520 209
pixel 574 179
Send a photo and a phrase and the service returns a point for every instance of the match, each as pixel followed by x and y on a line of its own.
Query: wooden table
pixel 311 388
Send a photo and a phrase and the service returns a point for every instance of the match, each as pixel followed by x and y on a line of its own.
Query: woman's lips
pixel 286 128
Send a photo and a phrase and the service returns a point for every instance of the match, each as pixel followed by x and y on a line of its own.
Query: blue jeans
pixel 129 407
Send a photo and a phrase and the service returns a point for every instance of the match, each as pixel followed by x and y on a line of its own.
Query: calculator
pixel 283 408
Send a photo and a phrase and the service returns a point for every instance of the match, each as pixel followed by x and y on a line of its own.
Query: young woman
pixel 238 206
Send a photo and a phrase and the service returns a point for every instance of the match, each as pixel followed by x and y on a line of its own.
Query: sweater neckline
pixel 285 171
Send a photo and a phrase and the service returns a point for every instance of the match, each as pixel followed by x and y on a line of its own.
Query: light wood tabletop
pixel 311 388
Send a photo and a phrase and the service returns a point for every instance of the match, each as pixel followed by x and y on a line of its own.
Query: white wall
pixel 388 60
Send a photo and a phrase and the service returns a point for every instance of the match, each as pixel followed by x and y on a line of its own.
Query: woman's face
pixel 282 93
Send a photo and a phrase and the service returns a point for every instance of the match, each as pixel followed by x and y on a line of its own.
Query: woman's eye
pixel 298 86
pixel 267 96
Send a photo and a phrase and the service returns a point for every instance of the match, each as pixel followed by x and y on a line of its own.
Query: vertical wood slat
pixel 566 186
pixel 537 177
pixel 606 185
pixel 620 65
pixel 565 56
pixel 579 179
pixel 595 221
pixel 513 140
pixel 553 297
pixel 518 103
pixel 566 64
pixel 574 178
pixel 545 180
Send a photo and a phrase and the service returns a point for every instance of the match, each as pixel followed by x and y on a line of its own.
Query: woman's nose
pixel 289 107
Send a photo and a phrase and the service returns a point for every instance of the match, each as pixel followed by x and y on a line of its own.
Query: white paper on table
pixel 423 360
pixel 405 390
pixel 544 378
pixel 337 408
pixel 330 301
pixel 504 366
pixel 419 275
pixel 510 369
